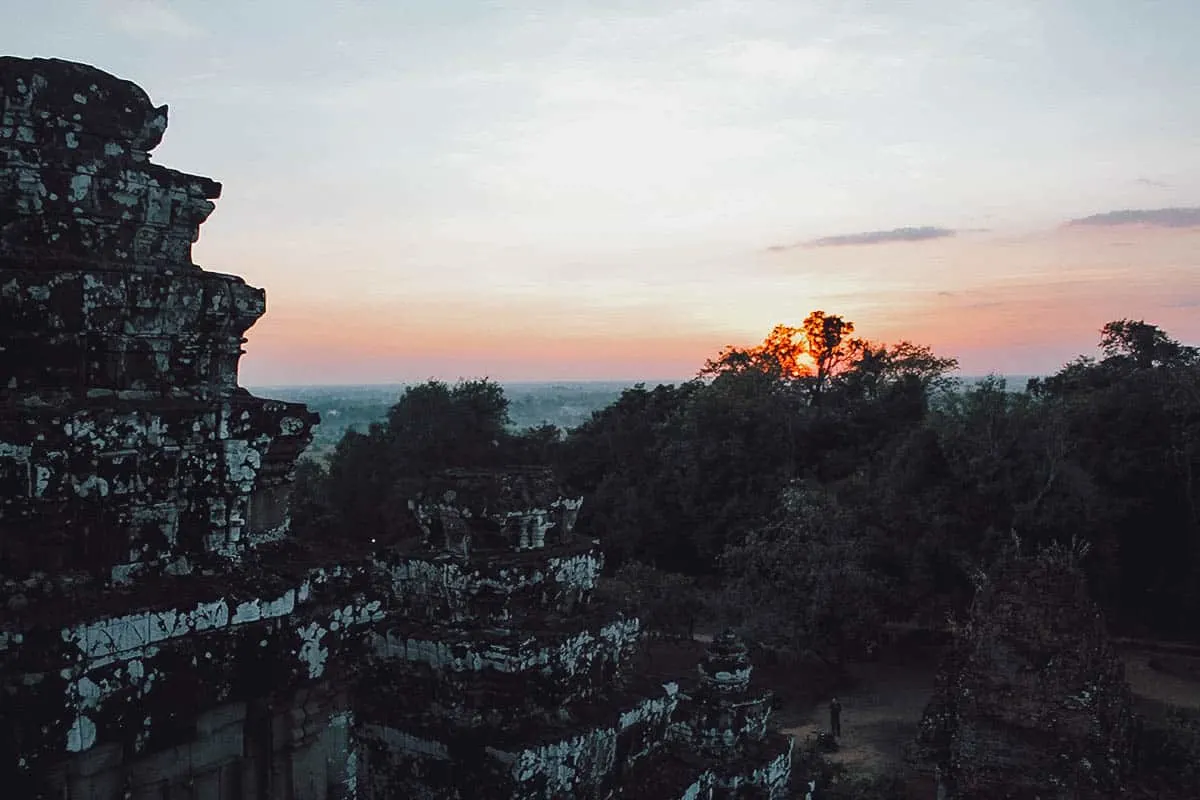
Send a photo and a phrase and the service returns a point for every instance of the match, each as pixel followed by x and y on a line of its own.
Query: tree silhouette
pixel 809 355
pixel 1143 344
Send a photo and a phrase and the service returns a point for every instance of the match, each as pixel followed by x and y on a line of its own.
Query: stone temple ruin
pixel 1032 700
pixel 163 635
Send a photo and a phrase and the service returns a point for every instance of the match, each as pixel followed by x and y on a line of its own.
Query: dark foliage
pixel 819 487
pixel 851 480
pixel 911 480
pixel 432 427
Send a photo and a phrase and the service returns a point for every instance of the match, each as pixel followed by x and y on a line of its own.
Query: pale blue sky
pixel 615 171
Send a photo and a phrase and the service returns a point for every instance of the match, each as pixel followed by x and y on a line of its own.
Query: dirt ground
pixel 883 701
pixel 883 704
pixel 880 711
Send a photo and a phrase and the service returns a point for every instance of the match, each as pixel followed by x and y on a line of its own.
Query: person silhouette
pixel 835 718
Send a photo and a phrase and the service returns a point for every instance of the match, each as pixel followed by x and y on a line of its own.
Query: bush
pixel 667 603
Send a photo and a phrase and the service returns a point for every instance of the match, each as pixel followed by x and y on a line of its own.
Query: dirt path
pixel 1162 688
pixel 879 716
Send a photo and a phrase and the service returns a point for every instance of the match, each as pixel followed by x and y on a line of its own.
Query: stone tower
pixel 499 676
pixel 143 494
pixel 502 676
pixel 162 633
pixel 1032 700
pixel 723 731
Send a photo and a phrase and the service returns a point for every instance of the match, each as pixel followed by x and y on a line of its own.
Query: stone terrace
pixel 163 634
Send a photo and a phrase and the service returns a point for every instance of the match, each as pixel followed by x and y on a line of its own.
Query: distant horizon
pixel 552 382
pixel 522 382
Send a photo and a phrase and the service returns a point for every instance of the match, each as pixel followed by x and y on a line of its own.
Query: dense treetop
pixel 819 484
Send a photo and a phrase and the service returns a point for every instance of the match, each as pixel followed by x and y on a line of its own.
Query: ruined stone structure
pixel 1032 701
pixel 500 677
pixel 163 635
pixel 146 614
pixel 720 745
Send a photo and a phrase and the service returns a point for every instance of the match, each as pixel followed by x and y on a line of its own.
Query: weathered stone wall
pixel 302 748
pixel 163 635
pixel 137 481
pixel 502 677
pixel 1033 701
pixel 497 589
pixel 125 444
pixel 497 676
pixel 583 756
pixel 469 512
pixel 78 188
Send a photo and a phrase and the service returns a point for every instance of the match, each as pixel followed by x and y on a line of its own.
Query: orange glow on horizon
pixel 1016 305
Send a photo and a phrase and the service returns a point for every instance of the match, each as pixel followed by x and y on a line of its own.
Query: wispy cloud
pixel 873 237
pixel 1156 217
pixel 1186 301
pixel 149 18
pixel 1153 183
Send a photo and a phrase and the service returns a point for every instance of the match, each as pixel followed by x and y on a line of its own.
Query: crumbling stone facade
pixel 502 677
pixel 163 635
pixel 497 677
pixel 151 641
pixel 1032 701
pixel 721 745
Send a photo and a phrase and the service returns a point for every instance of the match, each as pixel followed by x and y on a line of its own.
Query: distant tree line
pixel 364 491
pixel 819 485
pixel 346 408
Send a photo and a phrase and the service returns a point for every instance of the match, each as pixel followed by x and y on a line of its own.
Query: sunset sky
pixel 614 189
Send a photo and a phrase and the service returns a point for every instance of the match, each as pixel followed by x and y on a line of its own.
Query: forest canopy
pixel 819 485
